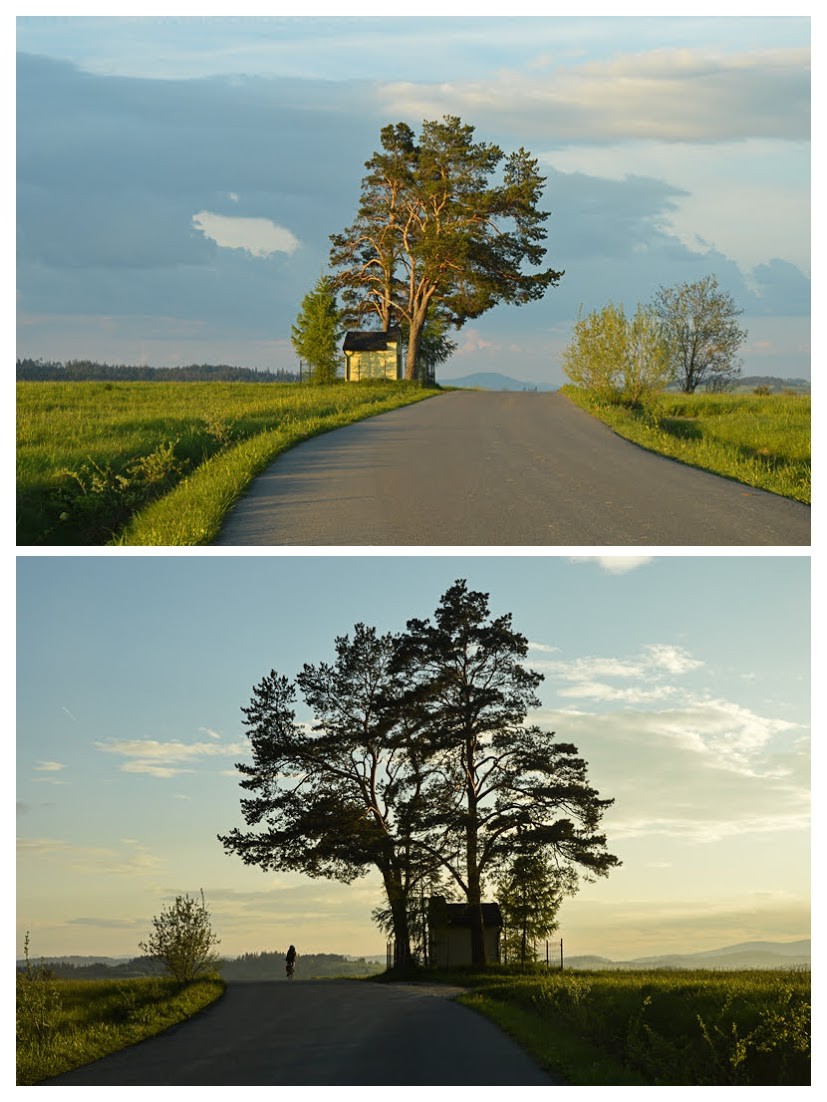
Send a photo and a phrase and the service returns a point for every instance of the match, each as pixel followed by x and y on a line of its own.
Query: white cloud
pixel 595 690
pixel 670 658
pixel 165 759
pixel 614 564
pixel 668 95
pixel 49 766
pixel 257 236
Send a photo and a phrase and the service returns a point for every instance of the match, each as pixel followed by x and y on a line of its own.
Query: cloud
pixel 130 859
pixel 40 847
pixel 655 660
pixel 614 564
pixel 49 766
pixel 257 236
pixel 670 95
pixel 108 923
pixel 164 759
pixel 713 769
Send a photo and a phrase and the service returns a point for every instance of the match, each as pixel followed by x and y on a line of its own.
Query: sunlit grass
pixel 64 1024
pixel 659 1027
pixel 759 440
pixel 91 457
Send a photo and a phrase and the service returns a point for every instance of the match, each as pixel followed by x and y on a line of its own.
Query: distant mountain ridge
pixel 493 380
pixel 746 954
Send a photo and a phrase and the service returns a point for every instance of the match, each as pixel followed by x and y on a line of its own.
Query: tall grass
pixel 64 1024
pixel 91 457
pixel 674 1028
pixel 759 440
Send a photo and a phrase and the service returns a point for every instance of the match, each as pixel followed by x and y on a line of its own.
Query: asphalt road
pixel 341 1033
pixel 480 468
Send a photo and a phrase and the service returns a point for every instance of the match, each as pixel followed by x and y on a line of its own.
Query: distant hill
pixel 493 380
pixel 747 954
pixel 776 385
pixel 249 966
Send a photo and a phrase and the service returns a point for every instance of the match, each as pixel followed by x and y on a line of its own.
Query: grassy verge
pixel 759 440
pixel 663 1028
pixel 92 458
pixel 64 1024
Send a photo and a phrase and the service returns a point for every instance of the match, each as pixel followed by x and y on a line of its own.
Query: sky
pixel 178 178
pixel 683 681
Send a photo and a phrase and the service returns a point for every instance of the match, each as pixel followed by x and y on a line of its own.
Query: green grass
pixel 64 1024
pixel 659 1027
pixel 761 441
pixel 162 463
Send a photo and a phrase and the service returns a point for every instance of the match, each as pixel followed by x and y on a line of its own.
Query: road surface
pixel 342 1033
pixel 478 468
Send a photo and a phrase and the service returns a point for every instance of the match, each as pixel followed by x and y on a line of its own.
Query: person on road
pixel 290 960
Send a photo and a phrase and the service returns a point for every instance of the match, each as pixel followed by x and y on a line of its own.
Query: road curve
pixel 478 468
pixel 343 1033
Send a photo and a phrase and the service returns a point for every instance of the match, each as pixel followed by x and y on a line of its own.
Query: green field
pixel 154 463
pixel 760 440
pixel 660 1027
pixel 64 1024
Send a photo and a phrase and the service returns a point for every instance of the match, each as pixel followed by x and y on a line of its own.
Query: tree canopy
pixel 419 763
pixel 622 359
pixel 438 236
pixel 317 329
pixel 702 333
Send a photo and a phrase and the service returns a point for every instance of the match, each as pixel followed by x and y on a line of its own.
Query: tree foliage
pixel 437 236
pixel 621 359
pixel 530 891
pixel 182 939
pixel 344 797
pixel 316 331
pixel 419 763
pixel 496 780
pixel 702 333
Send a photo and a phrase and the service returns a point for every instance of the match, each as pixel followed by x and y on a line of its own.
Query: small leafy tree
pixel 182 939
pixel 703 335
pixel 619 358
pixel 316 331
pixel 530 891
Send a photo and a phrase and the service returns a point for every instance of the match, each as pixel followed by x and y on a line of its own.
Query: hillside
pixel 493 380
pixel 745 955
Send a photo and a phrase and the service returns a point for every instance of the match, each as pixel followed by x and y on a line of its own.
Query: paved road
pixel 322 1033
pixel 498 469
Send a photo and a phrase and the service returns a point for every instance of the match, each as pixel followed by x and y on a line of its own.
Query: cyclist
pixel 290 961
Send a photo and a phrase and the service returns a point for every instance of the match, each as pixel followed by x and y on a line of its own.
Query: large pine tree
pixel 438 235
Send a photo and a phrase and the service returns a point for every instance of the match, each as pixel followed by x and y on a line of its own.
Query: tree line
pixel 248 966
pixel 29 370
pixel 419 763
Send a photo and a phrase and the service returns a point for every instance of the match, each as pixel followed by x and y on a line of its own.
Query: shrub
pixel 182 939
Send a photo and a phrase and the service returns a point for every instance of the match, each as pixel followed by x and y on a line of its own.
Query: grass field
pixel 161 463
pixel 64 1024
pixel 663 1028
pixel 762 441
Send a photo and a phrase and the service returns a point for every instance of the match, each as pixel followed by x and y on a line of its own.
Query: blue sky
pixel 684 682
pixel 177 179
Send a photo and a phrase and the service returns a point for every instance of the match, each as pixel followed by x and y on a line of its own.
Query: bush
pixel 619 359
pixel 183 939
